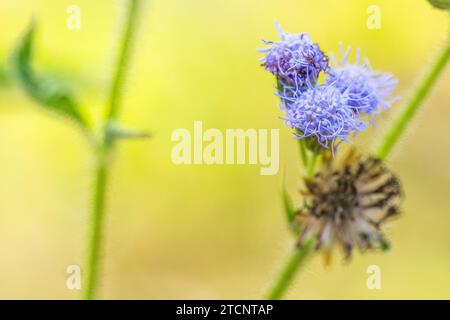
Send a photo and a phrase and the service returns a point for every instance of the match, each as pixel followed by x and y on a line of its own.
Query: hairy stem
pixel 96 223
pixel 104 150
pixel 400 123
pixel 289 271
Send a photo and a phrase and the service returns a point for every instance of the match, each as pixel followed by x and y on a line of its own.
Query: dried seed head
pixel 348 203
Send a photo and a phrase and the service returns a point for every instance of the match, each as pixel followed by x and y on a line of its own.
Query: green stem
pixel 311 165
pixel 104 150
pixel 300 253
pixel 96 223
pixel 400 124
pixel 289 271
pixel 116 90
pixel 303 152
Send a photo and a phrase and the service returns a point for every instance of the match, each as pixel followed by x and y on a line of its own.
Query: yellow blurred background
pixel 206 232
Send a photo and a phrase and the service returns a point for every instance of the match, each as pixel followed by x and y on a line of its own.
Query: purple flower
pixel 295 59
pixel 331 111
pixel 322 112
pixel 369 91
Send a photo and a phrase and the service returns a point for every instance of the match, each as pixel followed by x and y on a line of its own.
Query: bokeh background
pixel 198 232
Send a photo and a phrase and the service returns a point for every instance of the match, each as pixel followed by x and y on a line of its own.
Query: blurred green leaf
pixel 49 93
pixel 288 204
pixel 115 131
pixel 385 245
pixel 440 4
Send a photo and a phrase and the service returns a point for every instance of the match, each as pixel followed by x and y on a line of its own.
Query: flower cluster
pixel 331 111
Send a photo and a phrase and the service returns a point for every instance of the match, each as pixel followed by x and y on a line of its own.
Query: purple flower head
pixel 369 91
pixel 295 59
pixel 324 113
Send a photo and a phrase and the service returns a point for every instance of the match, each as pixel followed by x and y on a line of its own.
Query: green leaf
pixel 49 93
pixel 288 205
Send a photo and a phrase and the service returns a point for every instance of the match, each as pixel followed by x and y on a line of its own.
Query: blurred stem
pixel 303 152
pixel 289 271
pixel 104 151
pixel 311 165
pixel 96 223
pixel 116 90
pixel 401 122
